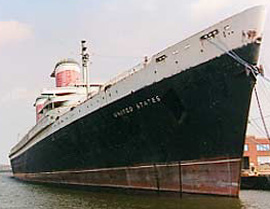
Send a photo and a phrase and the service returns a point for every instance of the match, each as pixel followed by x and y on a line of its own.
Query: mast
pixel 85 60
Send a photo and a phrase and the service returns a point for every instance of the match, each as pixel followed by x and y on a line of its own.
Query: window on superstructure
pixel 64 93
pixel 47 94
pixel 58 104
pixel 245 147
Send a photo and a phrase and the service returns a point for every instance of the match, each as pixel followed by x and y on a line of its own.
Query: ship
pixel 176 122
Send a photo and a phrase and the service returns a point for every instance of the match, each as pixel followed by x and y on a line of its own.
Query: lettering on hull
pixel 137 106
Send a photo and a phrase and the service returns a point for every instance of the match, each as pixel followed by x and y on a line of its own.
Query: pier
pixel 5 168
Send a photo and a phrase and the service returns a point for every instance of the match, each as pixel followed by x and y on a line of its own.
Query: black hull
pixel 196 115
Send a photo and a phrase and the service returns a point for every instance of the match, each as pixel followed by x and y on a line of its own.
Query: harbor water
pixel 15 194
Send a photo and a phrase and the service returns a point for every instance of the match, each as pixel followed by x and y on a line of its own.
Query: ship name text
pixel 137 106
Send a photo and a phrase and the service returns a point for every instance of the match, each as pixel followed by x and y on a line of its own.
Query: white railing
pixel 124 75
pixel 47 120
pixel 44 122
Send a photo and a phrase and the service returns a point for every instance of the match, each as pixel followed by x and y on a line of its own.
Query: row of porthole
pixel 187 46
pixel 59 122
pixel 87 107
pixel 104 97
pixel 163 57
pixel 176 62
pixel 228 33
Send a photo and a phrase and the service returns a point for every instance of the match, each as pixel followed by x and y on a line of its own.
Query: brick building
pixel 257 155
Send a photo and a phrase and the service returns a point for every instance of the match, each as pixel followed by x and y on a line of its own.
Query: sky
pixel 34 35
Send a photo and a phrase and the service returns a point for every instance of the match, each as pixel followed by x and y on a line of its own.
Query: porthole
pixel 187 46
pixel 227 27
pixel 175 52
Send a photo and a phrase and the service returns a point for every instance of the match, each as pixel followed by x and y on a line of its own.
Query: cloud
pixel 14 31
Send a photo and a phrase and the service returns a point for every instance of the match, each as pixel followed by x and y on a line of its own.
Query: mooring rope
pixel 261 113
pixel 236 57
pixel 254 70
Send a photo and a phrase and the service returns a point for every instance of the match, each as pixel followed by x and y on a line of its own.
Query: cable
pixel 265 78
pixel 261 113
pixel 254 72
pixel 257 118
pixel 257 127
pixel 233 55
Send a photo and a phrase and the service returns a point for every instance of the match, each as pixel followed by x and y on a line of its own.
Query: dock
pixel 255 182
pixel 5 168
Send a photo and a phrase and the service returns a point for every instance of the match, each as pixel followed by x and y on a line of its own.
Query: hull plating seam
pixel 211 177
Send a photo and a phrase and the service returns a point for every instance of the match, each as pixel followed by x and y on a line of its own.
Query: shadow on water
pixel 17 194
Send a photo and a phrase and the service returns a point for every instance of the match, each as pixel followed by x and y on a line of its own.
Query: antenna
pixel 85 60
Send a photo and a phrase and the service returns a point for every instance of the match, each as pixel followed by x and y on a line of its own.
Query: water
pixel 19 195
